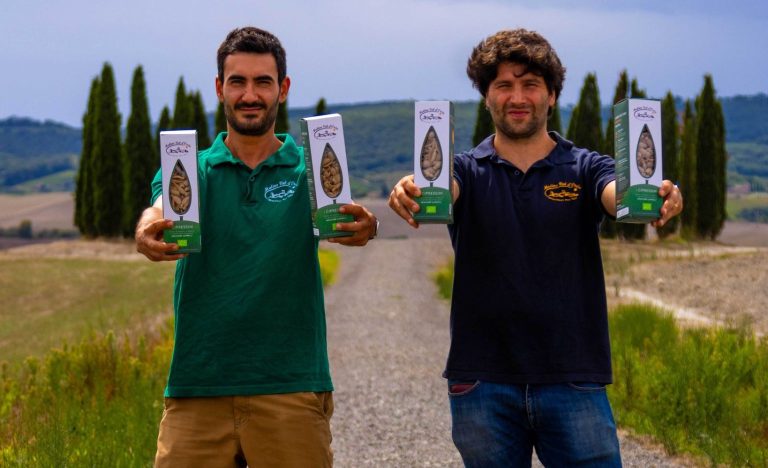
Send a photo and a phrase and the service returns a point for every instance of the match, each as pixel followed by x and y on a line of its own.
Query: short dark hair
pixel 252 40
pixel 521 46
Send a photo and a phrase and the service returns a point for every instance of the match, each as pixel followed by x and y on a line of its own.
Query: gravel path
pixel 388 339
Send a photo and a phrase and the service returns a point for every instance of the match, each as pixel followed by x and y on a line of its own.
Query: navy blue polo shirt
pixel 529 302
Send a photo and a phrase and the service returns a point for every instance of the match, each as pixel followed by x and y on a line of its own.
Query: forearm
pixel 608 198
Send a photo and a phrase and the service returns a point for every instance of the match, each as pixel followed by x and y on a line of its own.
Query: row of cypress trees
pixel 113 180
pixel 693 146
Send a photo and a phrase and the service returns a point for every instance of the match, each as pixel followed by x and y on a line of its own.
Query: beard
pixel 252 126
pixel 517 131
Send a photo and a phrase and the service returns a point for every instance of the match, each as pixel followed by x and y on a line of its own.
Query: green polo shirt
pixel 249 307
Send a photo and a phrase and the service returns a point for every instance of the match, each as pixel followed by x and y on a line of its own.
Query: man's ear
pixel 219 89
pixel 284 87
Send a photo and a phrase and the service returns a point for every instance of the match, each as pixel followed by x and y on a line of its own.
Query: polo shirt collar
pixel 560 154
pixel 286 155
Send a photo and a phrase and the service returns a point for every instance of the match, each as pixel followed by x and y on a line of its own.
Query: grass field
pixel 96 400
pixel 45 210
pixel 737 204
pixel 63 181
pixel 47 301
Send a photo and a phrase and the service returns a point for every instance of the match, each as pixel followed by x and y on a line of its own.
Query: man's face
pixel 250 92
pixel 518 101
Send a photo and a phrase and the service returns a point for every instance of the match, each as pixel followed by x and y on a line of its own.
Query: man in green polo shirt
pixel 249 380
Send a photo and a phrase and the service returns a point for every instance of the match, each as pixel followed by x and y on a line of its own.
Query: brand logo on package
pixel 432 114
pixel 177 148
pixel 562 191
pixel 280 191
pixel 644 113
pixel 325 132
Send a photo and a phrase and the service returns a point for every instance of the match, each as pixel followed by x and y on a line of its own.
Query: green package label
pixel 185 234
pixel 435 206
pixel 640 203
pixel 325 220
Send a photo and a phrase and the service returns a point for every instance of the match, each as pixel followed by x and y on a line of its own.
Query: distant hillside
pixel 379 143
pixel 31 149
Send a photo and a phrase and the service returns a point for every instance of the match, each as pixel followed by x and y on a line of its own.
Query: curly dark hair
pixel 253 40
pixel 521 46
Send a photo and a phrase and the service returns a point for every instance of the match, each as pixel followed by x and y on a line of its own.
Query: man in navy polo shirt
pixel 529 356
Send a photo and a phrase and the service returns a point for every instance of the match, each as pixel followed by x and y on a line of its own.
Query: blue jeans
pixel 500 424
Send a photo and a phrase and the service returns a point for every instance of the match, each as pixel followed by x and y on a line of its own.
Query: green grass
pixel 329 265
pixel 96 404
pixel 63 181
pixel 444 279
pixel 703 392
pixel 737 205
pixel 46 301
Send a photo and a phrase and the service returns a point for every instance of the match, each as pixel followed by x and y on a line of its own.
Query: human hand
pixel 401 200
pixel 673 203
pixel 363 228
pixel 149 236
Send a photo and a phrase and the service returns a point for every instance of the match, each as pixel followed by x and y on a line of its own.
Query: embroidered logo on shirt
pixel 280 191
pixel 562 191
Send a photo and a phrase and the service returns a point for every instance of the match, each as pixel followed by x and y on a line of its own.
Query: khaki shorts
pixel 285 430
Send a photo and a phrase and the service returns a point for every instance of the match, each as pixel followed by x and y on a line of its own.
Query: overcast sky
pixel 357 50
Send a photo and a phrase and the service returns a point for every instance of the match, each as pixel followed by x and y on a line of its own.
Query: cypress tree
pixel 140 157
pixel 688 184
pixel 183 110
pixel 163 123
pixel 608 228
pixel 622 88
pixel 107 160
pixel 281 124
pixel 483 124
pixel 200 120
pixel 321 108
pixel 584 129
pixel 710 162
pixel 670 163
pixel 220 121
pixel 572 122
pixel 554 123
pixel 636 92
pixel 627 230
pixel 84 185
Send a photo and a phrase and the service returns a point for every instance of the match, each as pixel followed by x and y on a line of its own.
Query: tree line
pixel 114 175
pixel 694 154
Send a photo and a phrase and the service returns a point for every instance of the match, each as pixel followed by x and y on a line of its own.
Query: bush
pixel 95 404
pixel 702 391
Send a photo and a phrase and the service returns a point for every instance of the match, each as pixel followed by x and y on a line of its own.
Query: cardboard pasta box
pixel 327 177
pixel 433 160
pixel 181 201
pixel 637 138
